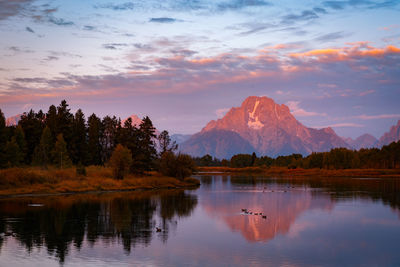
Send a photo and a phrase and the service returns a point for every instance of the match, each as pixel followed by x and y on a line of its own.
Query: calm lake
pixel 309 222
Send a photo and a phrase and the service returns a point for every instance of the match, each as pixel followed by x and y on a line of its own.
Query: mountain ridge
pixel 271 129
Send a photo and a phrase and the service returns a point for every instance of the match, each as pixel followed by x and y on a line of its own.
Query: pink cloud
pixel 346 124
pixel 364 93
pixel 297 111
pixel 374 117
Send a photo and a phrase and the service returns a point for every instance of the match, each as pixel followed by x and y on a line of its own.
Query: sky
pixel 184 63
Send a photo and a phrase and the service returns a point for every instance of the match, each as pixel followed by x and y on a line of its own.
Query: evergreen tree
pixel 32 124
pixel 51 121
pixel 13 154
pixel 20 139
pixel 60 153
pixel 109 136
pixel 64 124
pixel 79 142
pixel 3 140
pixel 146 153
pixel 43 151
pixel 94 136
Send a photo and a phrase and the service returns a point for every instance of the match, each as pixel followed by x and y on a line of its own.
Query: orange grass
pixel 283 171
pixel 15 181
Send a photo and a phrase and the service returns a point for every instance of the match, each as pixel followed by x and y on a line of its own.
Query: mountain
pixel 268 127
pixel 136 121
pixel 180 138
pixel 392 136
pixel 13 121
pixel 218 143
pixel 363 141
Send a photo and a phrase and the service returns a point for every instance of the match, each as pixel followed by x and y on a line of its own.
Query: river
pixel 228 221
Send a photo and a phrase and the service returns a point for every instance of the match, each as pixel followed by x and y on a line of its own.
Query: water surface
pixel 309 222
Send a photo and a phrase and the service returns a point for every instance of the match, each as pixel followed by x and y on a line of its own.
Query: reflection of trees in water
pixel 127 217
pixel 384 189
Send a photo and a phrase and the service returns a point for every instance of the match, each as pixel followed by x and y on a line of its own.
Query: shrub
pixel 80 169
pixel 120 161
pixel 179 166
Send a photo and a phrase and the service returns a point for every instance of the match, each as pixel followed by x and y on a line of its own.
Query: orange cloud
pixel 356 50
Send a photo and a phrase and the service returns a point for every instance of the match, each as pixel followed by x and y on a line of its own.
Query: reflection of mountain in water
pixel 129 218
pixel 282 210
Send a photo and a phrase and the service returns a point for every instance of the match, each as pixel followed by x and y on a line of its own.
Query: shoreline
pixel 30 181
pixel 7 196
pixel 299 172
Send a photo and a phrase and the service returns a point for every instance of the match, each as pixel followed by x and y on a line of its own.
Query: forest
pixel 62 139
pixel 387 157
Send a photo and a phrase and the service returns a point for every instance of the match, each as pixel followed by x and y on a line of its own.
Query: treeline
pixel 62 139
pixel 388 157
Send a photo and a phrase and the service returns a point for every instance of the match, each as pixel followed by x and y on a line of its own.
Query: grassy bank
pixel 16 181
pixel 282 171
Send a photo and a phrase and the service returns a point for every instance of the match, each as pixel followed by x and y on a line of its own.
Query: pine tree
pixel 20 139
pixel 79 142
pixel 94 136
pixel 32 124
pixel 3 140
pixel 12 153
pixel 60 153
pixel 109 137
pixel 51 121
pixel 146 153
pixel 65 123
pixel 43 151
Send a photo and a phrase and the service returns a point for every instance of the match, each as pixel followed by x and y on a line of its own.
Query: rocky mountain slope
pixel 268 127
pixel 392 136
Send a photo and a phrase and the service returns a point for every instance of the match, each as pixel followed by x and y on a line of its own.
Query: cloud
pixel 163 20
pixel 327 85
pixel 241 4
pixel 64 54
pixel 12 8
pixel 375 117
pixel 352 52
pixel 340 5
pixel 332 36
pixel 60 21
pixel 390 27
pixel 305 15
pixel 114 46
pixel 51 58
pixel 364 93
pixel 182 73
pixel 320 10
pixel 221 112
pixel 17 49
pixel 89 28
pixel 297 111
pixel 117 7
pixel 340 125
pixel 28 29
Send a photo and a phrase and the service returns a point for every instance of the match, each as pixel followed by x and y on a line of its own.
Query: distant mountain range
pixel 262 126
pixel 363 141
pixel 12 121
